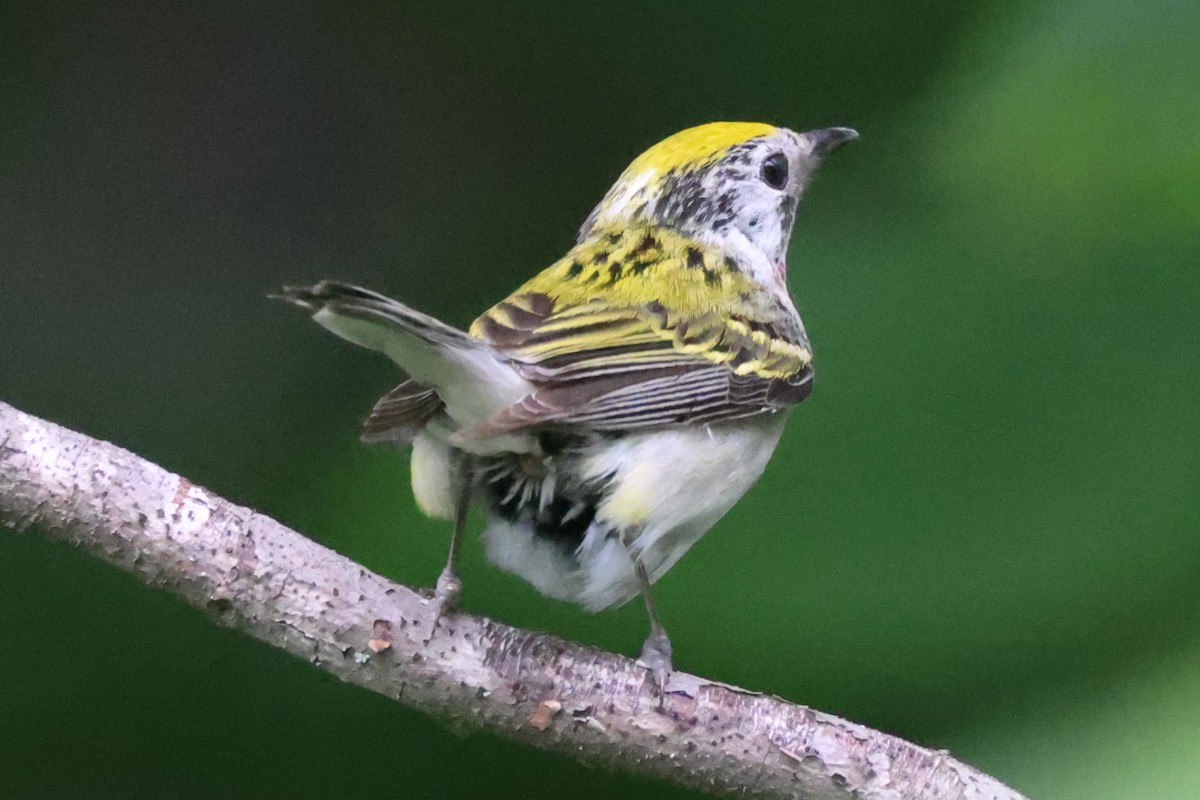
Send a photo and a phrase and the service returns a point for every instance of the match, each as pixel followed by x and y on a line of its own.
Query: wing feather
pixel 662 342
pixel 401 414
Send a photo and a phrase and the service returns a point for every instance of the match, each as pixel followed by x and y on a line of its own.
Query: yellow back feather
pixel 662 287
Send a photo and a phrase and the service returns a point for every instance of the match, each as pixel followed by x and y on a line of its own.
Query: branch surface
pixel 250 571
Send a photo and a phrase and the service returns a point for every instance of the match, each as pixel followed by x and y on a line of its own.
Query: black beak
pixel 826 140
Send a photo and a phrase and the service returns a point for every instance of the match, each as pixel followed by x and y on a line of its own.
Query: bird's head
pixel 720 182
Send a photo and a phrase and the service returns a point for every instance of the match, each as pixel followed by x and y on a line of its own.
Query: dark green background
pixel 980 533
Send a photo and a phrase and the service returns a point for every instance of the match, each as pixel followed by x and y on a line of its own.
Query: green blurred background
pixel 980 533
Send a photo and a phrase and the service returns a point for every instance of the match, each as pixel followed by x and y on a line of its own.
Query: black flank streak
pixel 614 273
pixel 712 277
pixel 600 258
pixel 731 264
pixel 695 259
pixel 554 443
pixel 549 522
pixel 575 270
pixel 567 534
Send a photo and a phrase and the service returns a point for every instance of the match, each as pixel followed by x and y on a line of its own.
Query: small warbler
pixel 613 408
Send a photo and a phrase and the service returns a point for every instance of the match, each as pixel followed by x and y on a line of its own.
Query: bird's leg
pixel 656 650
pixel 449 585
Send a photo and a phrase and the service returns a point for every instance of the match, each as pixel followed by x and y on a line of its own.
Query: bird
pixel 607 413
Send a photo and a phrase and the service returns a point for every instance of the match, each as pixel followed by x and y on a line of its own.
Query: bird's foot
pixel 445 595
pixel 656 657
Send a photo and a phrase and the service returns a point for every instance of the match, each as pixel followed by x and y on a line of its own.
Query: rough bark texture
pixel 276 585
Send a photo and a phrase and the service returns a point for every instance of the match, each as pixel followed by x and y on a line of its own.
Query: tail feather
pixel 347 300
pixel 401 414
pixel 467 374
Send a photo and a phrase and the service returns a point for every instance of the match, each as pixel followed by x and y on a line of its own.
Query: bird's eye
pixel 775 171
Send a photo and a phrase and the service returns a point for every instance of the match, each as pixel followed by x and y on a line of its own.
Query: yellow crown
pixel 697 146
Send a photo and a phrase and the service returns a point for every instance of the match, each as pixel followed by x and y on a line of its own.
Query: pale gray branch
pixel 248 570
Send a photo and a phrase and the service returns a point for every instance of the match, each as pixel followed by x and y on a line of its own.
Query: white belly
pixel 670 487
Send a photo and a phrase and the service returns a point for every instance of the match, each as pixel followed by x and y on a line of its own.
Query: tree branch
pixel 250 571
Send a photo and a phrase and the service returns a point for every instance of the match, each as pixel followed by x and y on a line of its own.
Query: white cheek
pixel 770 239
pixel 761 224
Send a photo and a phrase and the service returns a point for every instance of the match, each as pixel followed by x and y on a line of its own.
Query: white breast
pixel 670 487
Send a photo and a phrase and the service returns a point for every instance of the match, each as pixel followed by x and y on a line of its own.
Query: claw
pixel 445 594
pixel 656 657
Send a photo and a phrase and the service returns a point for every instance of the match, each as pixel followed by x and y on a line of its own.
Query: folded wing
pixel 600 361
